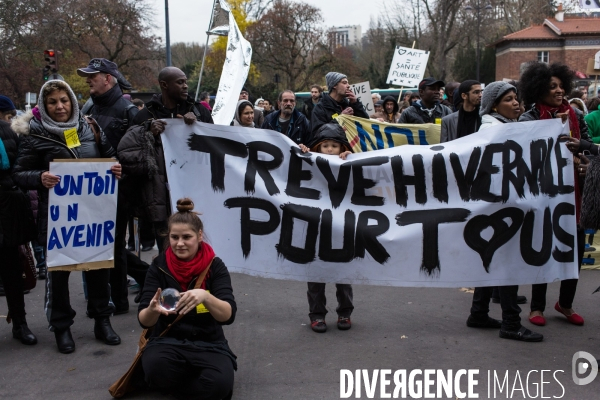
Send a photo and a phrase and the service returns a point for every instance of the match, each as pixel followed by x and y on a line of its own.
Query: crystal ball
pixel 169 299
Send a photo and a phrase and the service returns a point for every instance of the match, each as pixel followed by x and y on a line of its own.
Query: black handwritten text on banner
pixel 494 208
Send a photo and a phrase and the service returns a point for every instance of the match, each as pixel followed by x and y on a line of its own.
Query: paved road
pixel 279 356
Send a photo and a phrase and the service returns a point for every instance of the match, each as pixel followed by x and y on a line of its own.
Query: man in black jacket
pixel 339 100
pixel 115 115
pixel 288 120
pixel 428 110
pixel 316 93
pixel 141 152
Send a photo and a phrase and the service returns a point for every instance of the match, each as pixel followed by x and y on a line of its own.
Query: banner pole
pixel 212 15
pixel 402 87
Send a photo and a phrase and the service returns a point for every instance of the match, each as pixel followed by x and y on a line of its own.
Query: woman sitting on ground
pixel 193 358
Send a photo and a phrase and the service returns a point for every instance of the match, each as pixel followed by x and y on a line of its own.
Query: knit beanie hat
pixel 333 78
pixel 493 92
pixel 6 104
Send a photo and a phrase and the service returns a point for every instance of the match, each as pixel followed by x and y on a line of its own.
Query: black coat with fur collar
pixel 38 147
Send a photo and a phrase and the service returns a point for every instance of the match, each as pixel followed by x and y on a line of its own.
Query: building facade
pixel 570 40
pixel 345 36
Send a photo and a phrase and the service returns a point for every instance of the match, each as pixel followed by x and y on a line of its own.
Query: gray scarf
pixel 51 125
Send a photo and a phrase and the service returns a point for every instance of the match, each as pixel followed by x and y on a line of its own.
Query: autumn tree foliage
pixel 289 40
pixel 119 30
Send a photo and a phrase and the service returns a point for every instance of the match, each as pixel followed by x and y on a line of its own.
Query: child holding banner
pixel 329 139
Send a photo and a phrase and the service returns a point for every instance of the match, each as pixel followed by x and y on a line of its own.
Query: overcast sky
pixel 189 19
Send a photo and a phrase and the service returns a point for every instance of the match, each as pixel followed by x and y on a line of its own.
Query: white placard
pixel 493 208
pixel 362 91
pixel 82 211
pixel 408 67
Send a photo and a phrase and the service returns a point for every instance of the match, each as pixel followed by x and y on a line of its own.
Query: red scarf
pixel 185 271
pixel 548 113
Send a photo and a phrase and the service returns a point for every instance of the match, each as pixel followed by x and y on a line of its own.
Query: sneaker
pixel 318 325
pixel 523 334
pixel 344 323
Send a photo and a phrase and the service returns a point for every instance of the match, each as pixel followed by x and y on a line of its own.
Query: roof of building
pixel 551 28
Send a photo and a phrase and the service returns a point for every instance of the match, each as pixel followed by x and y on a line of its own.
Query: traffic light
pixel 46 73
pixel 51 60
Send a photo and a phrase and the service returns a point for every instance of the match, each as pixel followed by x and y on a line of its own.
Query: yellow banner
pixel 369 134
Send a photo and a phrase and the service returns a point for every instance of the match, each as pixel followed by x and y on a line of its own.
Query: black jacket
pixel 142 157
pixel 114 114
pixel 298 129
pixel 325 110
pixel 194 326
pixel 16 218
pixel 155 109
pixel 309 106
pixel 38 147
pixel 415 114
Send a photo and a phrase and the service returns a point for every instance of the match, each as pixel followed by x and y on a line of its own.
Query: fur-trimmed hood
pixel 20 124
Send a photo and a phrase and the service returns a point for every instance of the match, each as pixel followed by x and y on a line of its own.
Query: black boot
pixel 21 331
pixel 64 341
pixel 42 272
pixel 104 331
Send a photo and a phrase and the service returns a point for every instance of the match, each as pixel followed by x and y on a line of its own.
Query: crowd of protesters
pixel 111 125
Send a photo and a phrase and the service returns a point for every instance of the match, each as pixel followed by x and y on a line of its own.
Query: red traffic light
pixel 49 53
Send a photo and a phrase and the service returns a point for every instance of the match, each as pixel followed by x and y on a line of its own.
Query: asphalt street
pixel 279 357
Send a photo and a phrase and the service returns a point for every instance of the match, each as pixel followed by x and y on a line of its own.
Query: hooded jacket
pixel 383 113
pixel 325 110
pixel 142 158
pixel 38 147
pixel 114 114
pixel 415 114
pixel 332 131
pixel 298 129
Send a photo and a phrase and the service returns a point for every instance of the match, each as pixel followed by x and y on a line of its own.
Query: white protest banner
pixel 493 208
pixel 234 74
pixel 82 210
pixel 363 92
pixel 408 67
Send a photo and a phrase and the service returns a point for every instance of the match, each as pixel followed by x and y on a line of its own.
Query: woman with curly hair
pixel 544 88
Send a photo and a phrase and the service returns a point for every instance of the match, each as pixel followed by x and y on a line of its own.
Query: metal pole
pixel 202 68
pixel 168 37
pixel 212 15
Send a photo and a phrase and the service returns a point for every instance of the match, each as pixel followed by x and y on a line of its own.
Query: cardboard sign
pixel 493 208
pixel 363 92
pixel 408 67
pixel 82 210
